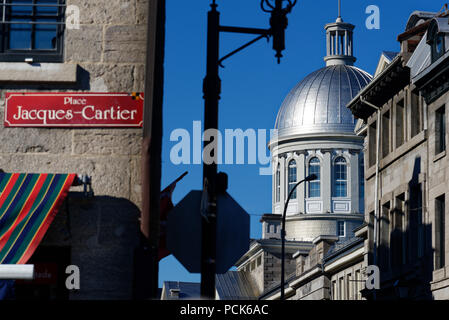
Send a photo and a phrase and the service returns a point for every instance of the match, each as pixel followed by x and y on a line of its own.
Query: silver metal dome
pixel 317 104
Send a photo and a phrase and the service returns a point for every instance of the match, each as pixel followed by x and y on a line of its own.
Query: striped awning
pixel 28 204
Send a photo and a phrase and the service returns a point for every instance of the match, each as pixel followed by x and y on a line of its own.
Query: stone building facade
pixel 404 113
pixel 97 233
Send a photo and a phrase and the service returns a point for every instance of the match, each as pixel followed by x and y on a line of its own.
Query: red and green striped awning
pixel 28 204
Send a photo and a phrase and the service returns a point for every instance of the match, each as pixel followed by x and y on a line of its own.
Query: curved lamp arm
pixel 309 178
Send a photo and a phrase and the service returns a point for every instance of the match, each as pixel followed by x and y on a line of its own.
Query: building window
pixel 372 144
pixel 278 183
pixel 358 280
pixel 400 123
pixel 334 290
pixel 397 247
pixel 315 186
pixel 362 183
pixel 349 287
pixel 384 233
pixel 385 134
pixel 340 178
pixel 259 261
pixel 415 114
pixel 440 130
pixel 341 289
pixel 416 226
pixel 32 29
pixel 438 47
pixel 292 178
pixel 440 222
pixel 341 229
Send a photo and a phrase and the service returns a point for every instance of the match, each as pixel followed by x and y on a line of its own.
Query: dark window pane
pixel 20 36
pixel 45 36
pixel 292 178
pixel 314 186
pixel 439 45
pixel 46 8
pixel 22 9
pixel 340 177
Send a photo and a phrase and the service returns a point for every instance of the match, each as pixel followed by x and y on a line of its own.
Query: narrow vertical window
pixel 341 228
pixel 440 130
pixel 340 178
pixel 440 212
pixel 334 290
pixel 415 114
pixel 385 134
pixel 292 178
pixel 372 144
pixel 396 237
pixel 384 230
pixel 278 183
pixel 400 123
pixel 315 186
pixel 358 286
pixel 362 183
pixel 341 289
pixel 416 223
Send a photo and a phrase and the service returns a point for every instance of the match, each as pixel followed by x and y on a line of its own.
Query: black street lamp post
pixel 211 90
pixel 309 178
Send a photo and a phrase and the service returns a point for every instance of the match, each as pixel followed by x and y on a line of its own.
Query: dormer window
pixel 438 47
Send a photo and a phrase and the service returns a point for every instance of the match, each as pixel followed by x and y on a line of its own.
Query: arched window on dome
pixel 292 178
pixel 278 183
pixel 340 178
pixel 315 185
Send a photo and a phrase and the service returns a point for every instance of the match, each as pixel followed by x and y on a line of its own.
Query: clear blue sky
pixel 253 84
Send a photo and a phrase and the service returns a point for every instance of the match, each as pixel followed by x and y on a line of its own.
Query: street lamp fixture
pixel 212 90
pixel 307 179
pixel 278 22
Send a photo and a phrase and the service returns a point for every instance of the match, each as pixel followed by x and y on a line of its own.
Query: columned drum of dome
pixel 315 132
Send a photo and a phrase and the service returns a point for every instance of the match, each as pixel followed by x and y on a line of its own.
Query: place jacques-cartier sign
pixel 67 109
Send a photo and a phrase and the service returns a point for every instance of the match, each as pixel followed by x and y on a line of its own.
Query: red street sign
pixel 73 109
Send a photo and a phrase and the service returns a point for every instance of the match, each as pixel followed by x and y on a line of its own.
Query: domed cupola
pixel 315 135
pixel 317 104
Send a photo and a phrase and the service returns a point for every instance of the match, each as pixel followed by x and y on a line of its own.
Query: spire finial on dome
pixel 339 19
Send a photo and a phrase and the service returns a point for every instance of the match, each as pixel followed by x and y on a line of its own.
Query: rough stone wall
pixel 272 269
pixel 316 289
pixel 109 51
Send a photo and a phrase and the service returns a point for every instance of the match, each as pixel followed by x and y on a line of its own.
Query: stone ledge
pixel 437 285
pixel 439 275
pixel 38 72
